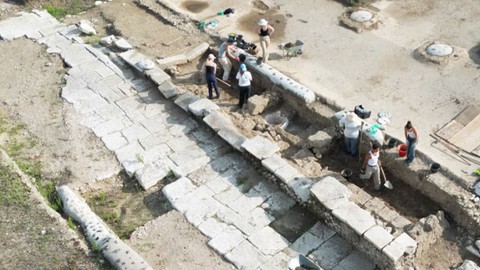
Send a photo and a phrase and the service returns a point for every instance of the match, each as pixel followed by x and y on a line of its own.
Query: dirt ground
pixel 43 131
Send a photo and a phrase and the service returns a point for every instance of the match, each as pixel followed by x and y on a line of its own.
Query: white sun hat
pixel 262 22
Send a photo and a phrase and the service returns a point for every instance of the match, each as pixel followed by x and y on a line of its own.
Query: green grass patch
pixel 71 224
pixel 12 190
pixel 48 191
pixel 60 9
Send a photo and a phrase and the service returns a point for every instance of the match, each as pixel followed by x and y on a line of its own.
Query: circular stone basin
pixel 275 119
pixel 361 16
pixel 439 50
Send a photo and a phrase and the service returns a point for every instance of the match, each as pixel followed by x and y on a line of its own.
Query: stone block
pixel 246 256
pixel 132 57
pixel 216 182
pixel 135 132
pixel 320 140
pixel 227 215
pixel 400 222
pixel 301 188
pixel 229 195
pixel 178 144
pixel 202 107
pixel 123 44
pixel 278 202
pixel 186 99
pixel 244 204
pixel 268 241
pixel 394 251
pixel 232 137
pixel 212 227
pixel 306 243
pixel 129 152
pixel 191 166
pixel 266 188
pixel 355 217
pixel 226 240
pixel 287 174
pixel 178 189
pixel 260 147
pixel 131 166
pixel 355 260
pixel 274 162
pixel 278 261
pixel 468 265
pixel 217 120
pixel 257 104
pixel 76 54
pixel 388 215
pixel 321 231
pixel 406 241
pixel 114 141
pixel 330 192
pixel 378 236
pixel 197 51
pixel 202 210
pixel 178 59
pixel 253 221
pixel 157 75
pixel 168 89
pixel 150 175
pixel 332 252
pixel 186 202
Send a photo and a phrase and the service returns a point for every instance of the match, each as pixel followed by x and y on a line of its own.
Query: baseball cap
pixel 231 40
pixel 243 67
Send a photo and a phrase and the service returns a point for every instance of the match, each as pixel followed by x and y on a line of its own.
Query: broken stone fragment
pixel 85 27
pixel 145 64
pixel 108 40
pixel 123 45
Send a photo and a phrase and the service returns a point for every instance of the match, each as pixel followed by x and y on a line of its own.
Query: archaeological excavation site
pixel 107 127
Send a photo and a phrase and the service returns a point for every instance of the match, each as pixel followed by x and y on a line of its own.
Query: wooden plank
pixel 467 115
pixel 469 137
pixel 450 129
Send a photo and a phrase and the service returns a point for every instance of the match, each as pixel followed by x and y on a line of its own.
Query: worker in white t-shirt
pixel 244 78
pixel 351 125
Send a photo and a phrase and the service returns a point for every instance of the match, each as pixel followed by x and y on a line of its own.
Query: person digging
pixel 371 166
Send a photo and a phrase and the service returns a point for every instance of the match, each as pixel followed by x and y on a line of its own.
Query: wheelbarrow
pixel 292 49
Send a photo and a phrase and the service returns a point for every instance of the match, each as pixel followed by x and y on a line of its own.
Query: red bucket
pixel 402 150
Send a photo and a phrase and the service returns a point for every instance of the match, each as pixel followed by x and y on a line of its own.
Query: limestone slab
pixel 178 189
pixel 253 221
pixel 180 143
pixel 202 107
pixel 168 89
pixel 244 204
pixel 332 252
pixel 76 54
pixel 197 51
pixel 208 176
pixel 394 251
pixel 184 203
pixel 131 166
pixel 191 166
pixel 408 242
pixel 132 57
pixel 274 162
pixel 355 260
pixel 278 202
pixel 114 141
pixel 378 236
pixel 111 126
pixel 306 243
pixel 268 241
pixel 172 61
pixel 202 210
pixel 356 218
pixel 301 188
pixel 135 132
pixel 150 175
pixel 246 256
pixel 229 195
pixel 232 137
pixel 158 76
pixel 321 231
pixel 152 140
pixel 110 111
pixel 217 120
pixel 212 227
pixel 287 174
pixel 129 152
pixel 226 240
pixel 278 261
pixel 260 147
pixel 330 192
pixel 185 99
pixel 155 125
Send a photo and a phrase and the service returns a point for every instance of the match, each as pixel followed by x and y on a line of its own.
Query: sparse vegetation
pixel 48 191
pixel 12 190
pixel 60 9
pixel 70 223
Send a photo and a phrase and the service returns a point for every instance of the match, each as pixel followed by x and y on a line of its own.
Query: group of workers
pixel 371 165
pixel 226 54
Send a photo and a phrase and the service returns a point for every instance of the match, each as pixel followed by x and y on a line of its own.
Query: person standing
pixel 411 137
pixel 210 69
pixel 224 53
pixel 371 167
pixel 351 126
pixel 264 30
pixel 244 78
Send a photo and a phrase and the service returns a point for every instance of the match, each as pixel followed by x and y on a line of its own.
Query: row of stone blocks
pixel 327 198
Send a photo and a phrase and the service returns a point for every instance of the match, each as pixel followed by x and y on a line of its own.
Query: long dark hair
pixel 408 125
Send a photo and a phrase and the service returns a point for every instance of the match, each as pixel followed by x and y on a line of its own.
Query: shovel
pixel 387 183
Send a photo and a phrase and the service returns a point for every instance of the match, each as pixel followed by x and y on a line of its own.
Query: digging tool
pixel 387 183
pixel 453 100
pixel 229 85
pixel 360 142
